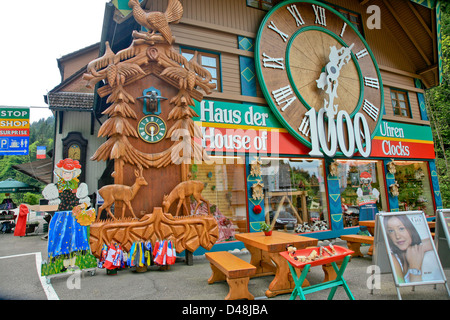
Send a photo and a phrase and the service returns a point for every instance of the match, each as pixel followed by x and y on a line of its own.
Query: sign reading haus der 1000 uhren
pixel 14 131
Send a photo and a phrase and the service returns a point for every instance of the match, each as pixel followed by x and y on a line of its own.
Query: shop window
pixel 414 186
pixel 224 182
pixel 262 4
pixel 295 197
pixel 362 190
pixel 209 61
pixel 400 103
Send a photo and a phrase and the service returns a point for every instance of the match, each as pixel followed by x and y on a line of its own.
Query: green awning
pixel 14 186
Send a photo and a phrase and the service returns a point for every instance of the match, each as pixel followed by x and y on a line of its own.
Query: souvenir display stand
pixel 394 233
pixel 140 256
pixel 442 236
pixel 298 260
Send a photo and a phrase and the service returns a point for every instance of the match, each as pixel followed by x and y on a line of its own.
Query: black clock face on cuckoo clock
pixel 319 77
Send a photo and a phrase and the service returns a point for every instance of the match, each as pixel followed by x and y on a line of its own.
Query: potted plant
pixel 265 228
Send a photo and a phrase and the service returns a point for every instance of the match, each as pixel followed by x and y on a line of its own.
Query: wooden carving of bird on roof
pixel 155 21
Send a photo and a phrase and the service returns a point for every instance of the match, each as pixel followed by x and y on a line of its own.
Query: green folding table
pixel 340 254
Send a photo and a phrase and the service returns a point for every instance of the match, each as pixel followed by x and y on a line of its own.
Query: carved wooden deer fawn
pixel 119 192
pixel 182 191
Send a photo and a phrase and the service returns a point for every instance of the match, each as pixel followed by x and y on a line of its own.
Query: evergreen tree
pixel 438 108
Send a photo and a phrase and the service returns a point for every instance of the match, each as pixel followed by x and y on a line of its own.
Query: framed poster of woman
pixel 410 249
pixel 442 236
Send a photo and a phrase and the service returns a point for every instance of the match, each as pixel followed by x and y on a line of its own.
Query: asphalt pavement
pixel 20 258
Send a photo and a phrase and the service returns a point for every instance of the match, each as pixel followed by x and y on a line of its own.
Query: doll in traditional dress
pixel 366 193
pixel 66 236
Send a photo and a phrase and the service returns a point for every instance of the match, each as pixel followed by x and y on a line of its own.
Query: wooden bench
pixel 237 272
pixel 354 243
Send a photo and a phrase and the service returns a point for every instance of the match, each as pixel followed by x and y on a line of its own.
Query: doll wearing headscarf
pixel 67 192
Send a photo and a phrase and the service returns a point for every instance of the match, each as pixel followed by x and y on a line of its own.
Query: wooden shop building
pixel 317 118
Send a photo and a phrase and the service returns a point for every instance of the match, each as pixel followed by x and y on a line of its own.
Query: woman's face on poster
pixel 398 233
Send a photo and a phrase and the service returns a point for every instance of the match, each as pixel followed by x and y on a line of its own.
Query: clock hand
pixel 329 78
pixel 340 57
pixel 152 131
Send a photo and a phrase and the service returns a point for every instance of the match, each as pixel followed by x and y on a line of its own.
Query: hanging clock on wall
pixel 75 147
pixel 319 77
pixel 152 129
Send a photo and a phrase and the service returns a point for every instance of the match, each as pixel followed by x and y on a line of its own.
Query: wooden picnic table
pixel 265 257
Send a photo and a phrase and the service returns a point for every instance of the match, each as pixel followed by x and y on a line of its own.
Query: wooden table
pixel 265 257
pixel 370 224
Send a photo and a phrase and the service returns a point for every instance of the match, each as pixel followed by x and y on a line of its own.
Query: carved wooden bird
pixel 101 62
pixel 158 21
pixel 186 76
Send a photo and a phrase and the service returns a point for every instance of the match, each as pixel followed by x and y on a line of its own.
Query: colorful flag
pixel 171 253
pixel 109 261
pixel 40 152
pixel 160 258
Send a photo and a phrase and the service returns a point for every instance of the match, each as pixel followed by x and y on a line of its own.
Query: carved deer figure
pixel 119 192
pixel 182 191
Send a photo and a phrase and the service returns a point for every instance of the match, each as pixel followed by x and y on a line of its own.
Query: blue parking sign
pixel 14 146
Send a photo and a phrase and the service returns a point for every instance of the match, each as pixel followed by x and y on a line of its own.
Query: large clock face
pixel 152 129
pixel 319 77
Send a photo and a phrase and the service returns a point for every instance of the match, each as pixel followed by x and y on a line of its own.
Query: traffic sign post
pixel 14 131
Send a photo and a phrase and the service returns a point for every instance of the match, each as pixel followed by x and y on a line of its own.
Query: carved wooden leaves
pixel 187 232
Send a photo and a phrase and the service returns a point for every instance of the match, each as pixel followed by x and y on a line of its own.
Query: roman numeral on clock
pixel 343 30
pixel 304 126
pixel 371 110
pixel 273 27
pixel 285 96
pixel 320 15
pixel 297 16
pixel 361 54
pixel 372 82
pixel 275 63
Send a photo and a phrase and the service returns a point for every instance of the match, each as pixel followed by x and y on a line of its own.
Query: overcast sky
pixel 34 34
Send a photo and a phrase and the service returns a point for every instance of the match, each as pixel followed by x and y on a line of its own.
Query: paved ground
pixel 21 256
